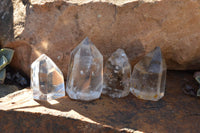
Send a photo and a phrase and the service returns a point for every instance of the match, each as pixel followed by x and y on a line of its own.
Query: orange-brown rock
pixel 175 112
pixel 56 27
pixel 21 58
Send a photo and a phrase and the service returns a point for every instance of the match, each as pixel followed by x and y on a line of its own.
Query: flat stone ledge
pixel 176 112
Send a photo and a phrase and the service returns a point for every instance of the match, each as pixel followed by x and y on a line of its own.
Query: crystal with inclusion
pixel 47 80
pixel 149 76
pixel 85 72
pixel 117 73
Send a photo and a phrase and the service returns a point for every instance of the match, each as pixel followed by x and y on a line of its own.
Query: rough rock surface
pixel 175 112
pixel 56 27
pixel 6 21
pixel 29 122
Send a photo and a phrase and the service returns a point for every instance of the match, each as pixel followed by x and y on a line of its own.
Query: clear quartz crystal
pixel 47 80
pixel 117 72
pixel 85 72
pixel 149 76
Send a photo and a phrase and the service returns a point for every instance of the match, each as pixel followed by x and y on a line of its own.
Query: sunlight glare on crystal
pixel 47 80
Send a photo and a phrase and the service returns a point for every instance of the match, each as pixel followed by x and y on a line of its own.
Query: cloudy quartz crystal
pixel 85 72
pixel 149 76
pixel 47 80
pixel 117 72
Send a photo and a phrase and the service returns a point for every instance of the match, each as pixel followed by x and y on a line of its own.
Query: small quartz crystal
pixel 85 72
pixel 117 73
pixel 47 80
pixel 149 76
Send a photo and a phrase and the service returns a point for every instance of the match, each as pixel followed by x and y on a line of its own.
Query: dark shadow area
pixel 7 89
pixel 6 21
pixel 16 77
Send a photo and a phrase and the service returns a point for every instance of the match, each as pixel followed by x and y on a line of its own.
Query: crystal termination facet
pixel 117 72
pixel 47 80
pixel 85 72
pixel 149 76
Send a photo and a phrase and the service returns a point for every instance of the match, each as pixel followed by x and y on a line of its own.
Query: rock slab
pixel 57 27
pixel 175 112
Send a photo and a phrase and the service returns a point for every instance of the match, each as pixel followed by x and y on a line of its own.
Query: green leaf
pixel 3 62
pixel 2 75
pixel 8 53
pixel 197 79
pixel 198 92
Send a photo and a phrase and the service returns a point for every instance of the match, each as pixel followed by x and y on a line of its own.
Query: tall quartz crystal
pixel 117 72
pixel 85 72
pixel 149 76
pixel 47 80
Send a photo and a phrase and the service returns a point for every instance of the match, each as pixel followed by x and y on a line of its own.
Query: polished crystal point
pixel 85 72
pixel 47 80
pixel 149 76
pixel 117 73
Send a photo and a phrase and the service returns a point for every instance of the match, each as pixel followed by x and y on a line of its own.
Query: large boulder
pixel 57 27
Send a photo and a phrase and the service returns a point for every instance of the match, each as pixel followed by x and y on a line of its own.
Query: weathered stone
pixel 138 26
pixel 174 112
pixel 6 21
pixel 20 61
pixel 12 19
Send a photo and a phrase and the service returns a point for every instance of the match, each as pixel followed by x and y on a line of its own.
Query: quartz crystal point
pixel 47 80
pixel 149 76
pixel 117 72
pixel 85 72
